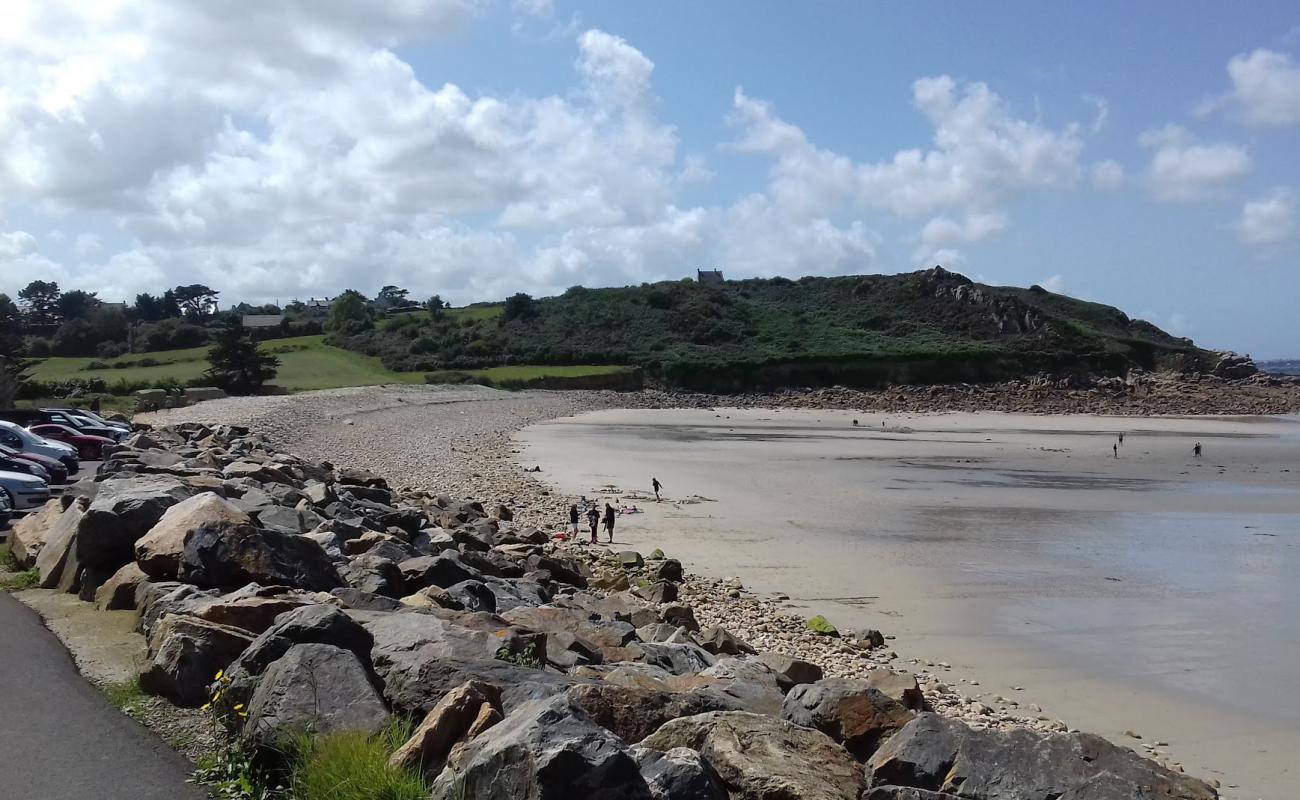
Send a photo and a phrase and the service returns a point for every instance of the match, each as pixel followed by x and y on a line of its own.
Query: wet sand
pixel 1154 592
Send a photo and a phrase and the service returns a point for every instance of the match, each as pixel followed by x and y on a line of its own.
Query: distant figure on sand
pixel 593 519
pixel 573 519
pixel 609 521
pixel 657 486
pixel 1121 438
pixel 1115 447
pixel 1196 450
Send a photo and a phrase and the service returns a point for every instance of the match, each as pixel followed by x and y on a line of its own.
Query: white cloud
pixel 1265 89
pixel 940 236
pixel 86 245
pixel 1106 175
pixel 16 243
pixel 1183 169
pixel 1269 220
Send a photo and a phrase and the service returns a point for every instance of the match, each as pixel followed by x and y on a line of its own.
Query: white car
pixel 19 438
pixel 24 491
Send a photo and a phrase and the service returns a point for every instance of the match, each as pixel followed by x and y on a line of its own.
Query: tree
pixel 11 328
pixel 519 306
pixel 196 300
pixel 434 305
pixel 76 304
pixel 391 297
pixel 236 364
pixel 41 302
pixel 152 309
pixel 350 314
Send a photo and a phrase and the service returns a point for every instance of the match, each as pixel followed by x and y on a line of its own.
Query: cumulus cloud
pixel 287 149
pixel 1265 89
pixel 1183 169
pixel 1268 221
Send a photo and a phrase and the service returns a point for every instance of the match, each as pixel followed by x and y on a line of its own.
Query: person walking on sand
pixel 593 519
pixel 1121 438
pixel 573 520
pixel 1196 450
pixel 654 482
pixel 1115 447
pixel 609 521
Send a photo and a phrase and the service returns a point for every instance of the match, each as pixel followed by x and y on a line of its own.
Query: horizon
pixel 477 149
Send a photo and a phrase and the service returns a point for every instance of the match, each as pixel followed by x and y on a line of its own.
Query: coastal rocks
pixel 27 536
pixel 470 706
pixel 759 757
pixel 188 653
pixel 158 552
pixel 124 509
pixel 314 624
pixel 943 755
pixel 679 774
pixel 230 555
pixel 314 688
pixel 720 641
pixel 901 688
pixel 635 713
pixel 544 750
pixel 791 672
pixel 853 713
pixel 118 592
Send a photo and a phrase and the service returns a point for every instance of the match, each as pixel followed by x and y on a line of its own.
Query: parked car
pixel 24 491
pixel 81 424
pixel 19 438
pixel 89 447
pixel 56 469
pixel 9 464
pixel 6 510
pixel 95 418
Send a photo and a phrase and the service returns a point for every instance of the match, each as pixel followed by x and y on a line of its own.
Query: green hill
pixel 930 326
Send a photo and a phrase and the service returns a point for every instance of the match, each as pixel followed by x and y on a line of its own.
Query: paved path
pixel 60 738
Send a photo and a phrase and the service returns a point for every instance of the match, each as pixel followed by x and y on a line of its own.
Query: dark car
pixel 89 448
pixel 21 465
pixel 57 470
pixel 81 424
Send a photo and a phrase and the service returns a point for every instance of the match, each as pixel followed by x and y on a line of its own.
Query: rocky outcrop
pixel 944 755
pixel 158 552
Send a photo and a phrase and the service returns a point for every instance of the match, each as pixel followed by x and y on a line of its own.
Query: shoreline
pixel 478 462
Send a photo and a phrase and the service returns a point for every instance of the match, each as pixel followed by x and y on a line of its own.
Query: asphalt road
pixel 60 738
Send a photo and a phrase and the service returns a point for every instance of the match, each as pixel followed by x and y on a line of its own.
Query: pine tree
pixel 237 365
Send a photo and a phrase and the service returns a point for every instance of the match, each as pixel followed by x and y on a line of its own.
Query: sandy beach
pixel 1154 592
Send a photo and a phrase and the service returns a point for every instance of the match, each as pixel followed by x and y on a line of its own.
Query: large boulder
pixel 443 570
pixel 679 659
pixel 27 535
pixel 611 637
pixel 187 654
pixel 679 774
pixel 124 509
pixel 791 671
pixel 545 750
pixel 313 624
pixel 634 713
pixel 228 555
pixel 159 551
pixel 944 755
pixel 853 713
pixel 759 757
pixel 374 574
pixel 314 688
pixel 252 612
pixel 57 552
pixel 902 688
pixel 119 591
pixel 446 724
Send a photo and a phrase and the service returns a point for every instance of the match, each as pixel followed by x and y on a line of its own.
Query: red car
pixel 58 472
pixel 89 448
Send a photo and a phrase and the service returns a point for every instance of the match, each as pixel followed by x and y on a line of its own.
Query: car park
pixel 81 424
pixel 19 438
pixel 89 447
pixel 56 469
pixel 24 492
pixel 95 418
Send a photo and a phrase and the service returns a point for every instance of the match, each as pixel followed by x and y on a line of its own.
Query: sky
pixel 1142 155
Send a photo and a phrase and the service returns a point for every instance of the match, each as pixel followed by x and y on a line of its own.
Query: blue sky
pixel 1135 154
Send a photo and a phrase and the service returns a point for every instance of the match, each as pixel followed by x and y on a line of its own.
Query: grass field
pixel 306 362
pixel 499 376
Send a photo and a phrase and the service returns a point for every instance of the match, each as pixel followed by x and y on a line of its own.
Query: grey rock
pixel 187 654
pixel 544 750
pixel 679 659
pixel 365 601
pixel 633 713
pixel 226 555
pixel 853 713
pixel 374 574
pixel 473 596
pixel 679 774
pixel 944 755
pixel 721 641
pixel 314 688
pixel 790 671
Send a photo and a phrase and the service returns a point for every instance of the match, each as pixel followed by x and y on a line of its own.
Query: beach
pixel 1154 593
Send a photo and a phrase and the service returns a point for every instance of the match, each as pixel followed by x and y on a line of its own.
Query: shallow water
pixel 1019 546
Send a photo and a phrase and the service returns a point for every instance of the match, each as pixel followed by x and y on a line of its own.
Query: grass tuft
pixel 354 766
pixel 20 581
pixel 125 696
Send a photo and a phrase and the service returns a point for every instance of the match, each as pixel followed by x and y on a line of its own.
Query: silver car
pixel 24 492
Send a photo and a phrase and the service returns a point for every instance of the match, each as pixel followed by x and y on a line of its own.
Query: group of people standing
pixel 1196 448
pixel 594 516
